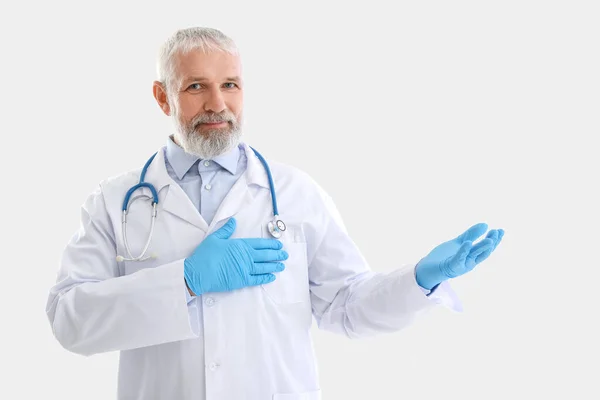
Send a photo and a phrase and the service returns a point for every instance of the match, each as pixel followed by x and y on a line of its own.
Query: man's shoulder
pixel 288 173
pixel 110 188
pixel 103 195
pixel 298 181
pixel 118 181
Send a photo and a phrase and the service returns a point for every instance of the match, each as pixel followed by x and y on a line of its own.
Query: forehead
pixel 213 65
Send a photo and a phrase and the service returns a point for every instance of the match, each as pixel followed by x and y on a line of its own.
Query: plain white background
pixel 420 120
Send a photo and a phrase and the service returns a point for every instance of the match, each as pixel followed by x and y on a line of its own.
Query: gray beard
pixel 210 143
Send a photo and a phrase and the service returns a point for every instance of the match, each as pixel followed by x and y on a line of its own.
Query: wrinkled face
pixel 206 102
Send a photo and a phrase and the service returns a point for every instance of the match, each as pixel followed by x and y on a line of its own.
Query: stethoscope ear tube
pixel 124 230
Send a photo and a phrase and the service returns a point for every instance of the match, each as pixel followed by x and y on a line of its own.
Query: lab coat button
pixel 207 187
pixel 213 366
pixel 210 301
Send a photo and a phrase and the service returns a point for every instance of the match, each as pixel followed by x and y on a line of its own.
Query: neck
pixel 175 140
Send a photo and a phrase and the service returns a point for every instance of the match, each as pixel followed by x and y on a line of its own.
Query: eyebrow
pixel 201 78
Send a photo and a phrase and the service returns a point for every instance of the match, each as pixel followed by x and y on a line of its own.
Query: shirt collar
pixel 182 161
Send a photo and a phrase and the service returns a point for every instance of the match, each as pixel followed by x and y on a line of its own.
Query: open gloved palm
pixel 457 256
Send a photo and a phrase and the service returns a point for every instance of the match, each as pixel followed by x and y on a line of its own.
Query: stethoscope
pixel 276 227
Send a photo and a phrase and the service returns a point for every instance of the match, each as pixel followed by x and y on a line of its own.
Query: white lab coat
pixel 252 343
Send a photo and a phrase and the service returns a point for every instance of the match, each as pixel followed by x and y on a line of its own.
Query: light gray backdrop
pixel 419 118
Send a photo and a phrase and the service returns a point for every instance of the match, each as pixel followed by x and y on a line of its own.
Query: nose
pixel 215 102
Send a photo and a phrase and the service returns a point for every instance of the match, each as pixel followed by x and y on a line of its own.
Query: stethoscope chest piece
pixel 276 228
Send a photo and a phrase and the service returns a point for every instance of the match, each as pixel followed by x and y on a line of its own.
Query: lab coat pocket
pixel 130 267
pixel 290 285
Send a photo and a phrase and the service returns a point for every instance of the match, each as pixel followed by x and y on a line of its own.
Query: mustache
pixel 211 118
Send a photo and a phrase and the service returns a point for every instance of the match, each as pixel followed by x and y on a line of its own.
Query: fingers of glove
pixel 263 244
pixel 453 266
pixel 480 249
pixel 226 230
pixel 473 232
pixel 499 239
pixel 254 280
pixel 484 255
pixel 492 234
pixel 481 246
pixel 259 268
pixel 269 255
pixel 463 251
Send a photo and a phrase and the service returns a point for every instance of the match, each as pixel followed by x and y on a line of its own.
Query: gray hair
pixel 185 40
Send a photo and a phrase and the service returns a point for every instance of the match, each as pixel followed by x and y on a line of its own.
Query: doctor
pixel 213 298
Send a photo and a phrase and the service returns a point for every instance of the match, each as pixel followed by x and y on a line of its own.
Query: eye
pixel 231 83
pixel 194 86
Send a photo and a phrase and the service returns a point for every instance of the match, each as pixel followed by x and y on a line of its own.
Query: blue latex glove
pixel 221 264
pixel 457 256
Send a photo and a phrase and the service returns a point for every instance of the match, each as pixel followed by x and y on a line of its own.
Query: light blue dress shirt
pixel 207 182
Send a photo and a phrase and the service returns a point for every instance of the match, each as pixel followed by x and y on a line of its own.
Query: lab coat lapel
pixel 241 194
pixel 172 198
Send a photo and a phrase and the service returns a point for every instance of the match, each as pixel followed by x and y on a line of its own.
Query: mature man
pixel 217 303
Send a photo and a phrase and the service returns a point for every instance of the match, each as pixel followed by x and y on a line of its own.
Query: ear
pixel 160 94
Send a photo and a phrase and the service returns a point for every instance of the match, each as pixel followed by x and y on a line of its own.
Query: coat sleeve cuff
pixel 188 296
pixel 444 295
